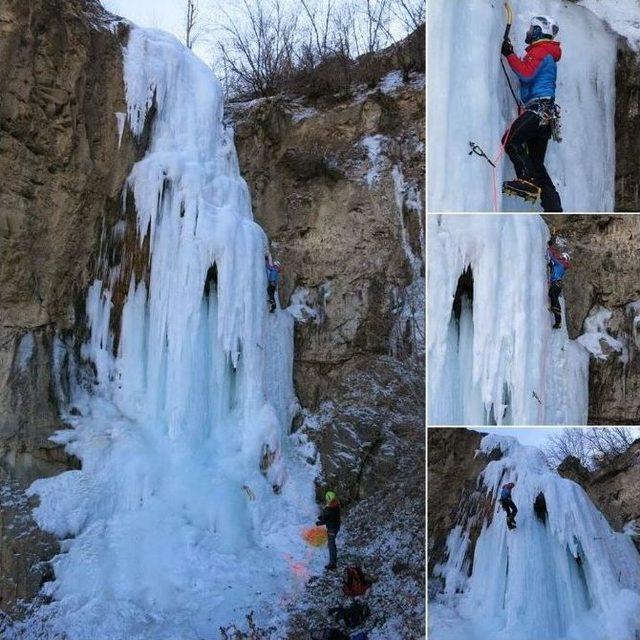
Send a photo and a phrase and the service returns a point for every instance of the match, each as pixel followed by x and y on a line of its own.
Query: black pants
pixel 331 543
pixel 526 144
pixel 509 507
pixel 271 294
pixel 555 289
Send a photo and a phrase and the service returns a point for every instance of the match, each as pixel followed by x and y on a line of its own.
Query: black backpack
pixel 353 615
pixel 334 634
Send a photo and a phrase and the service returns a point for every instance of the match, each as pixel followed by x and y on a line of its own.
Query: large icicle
pixel 495 359
pixel 563 576
pixel 186 512
pixel 471 102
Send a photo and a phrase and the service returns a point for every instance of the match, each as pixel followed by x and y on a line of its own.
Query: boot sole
pixel 529 197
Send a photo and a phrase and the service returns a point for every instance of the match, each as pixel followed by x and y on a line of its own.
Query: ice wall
pixel 496 359
pixel 470 101
pixel 564 576
pixel 172 526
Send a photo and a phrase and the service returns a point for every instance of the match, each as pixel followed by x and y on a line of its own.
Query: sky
pixel 167 15
pixel 534 436
pixel 531 436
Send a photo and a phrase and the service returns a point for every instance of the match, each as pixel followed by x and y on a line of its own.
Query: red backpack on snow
pixel 355 582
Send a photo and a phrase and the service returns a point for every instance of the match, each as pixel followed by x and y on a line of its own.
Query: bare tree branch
pixel 191 23
pixel 594 447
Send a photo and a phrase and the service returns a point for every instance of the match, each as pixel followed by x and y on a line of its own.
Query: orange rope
pixel 496 160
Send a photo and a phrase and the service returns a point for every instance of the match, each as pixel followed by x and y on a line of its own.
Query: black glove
pixel 318 523
pixel 507 47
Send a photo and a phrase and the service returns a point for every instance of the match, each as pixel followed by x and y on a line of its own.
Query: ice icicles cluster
pixel 187 511
pixel 561 575
pixel 474 104
pixel 493 356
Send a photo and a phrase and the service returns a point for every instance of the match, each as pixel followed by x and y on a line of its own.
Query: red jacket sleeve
pixel 529 65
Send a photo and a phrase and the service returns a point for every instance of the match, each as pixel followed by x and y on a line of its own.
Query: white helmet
pixel 548 26
pixel 276 264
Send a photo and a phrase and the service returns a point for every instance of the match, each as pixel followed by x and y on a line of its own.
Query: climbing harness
pixel 550 115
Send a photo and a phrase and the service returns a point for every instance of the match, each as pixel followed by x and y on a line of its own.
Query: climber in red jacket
pixel 539 119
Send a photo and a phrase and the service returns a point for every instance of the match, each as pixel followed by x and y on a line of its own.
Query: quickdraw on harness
pixel 550 115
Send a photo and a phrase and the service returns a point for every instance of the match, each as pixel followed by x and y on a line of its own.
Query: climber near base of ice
pixel 538 119
pixel 330 518
pixel 557 265
pixel 508 504
pixel 273 277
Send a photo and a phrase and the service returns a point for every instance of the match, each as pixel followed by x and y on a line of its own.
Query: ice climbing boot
pixel 557 325
pixel 522 189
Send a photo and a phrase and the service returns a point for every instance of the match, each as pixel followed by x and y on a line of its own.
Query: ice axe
pixel 507 30
pixel 509 11
pixel 477 149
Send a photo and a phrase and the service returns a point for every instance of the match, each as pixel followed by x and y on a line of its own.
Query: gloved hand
pixel 507 47
pixel 318 523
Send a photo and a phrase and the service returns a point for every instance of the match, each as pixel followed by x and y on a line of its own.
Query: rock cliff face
pixel 627 131
pixel 605 277
pixel 454 493
pixel 614 489
pixel 338 188
pixel 453 470
pixel 62 167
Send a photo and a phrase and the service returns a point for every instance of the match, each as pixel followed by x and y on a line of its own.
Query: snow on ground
pixel 173 527
pixel 495 359
pixel 391 82
pixel 474 104
pixel 567 576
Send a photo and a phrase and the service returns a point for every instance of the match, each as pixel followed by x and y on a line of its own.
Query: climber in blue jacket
pixel 273 278
pixel 508 504
pixel 557 265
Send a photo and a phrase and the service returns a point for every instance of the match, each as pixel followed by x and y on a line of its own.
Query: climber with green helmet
pixel 330 517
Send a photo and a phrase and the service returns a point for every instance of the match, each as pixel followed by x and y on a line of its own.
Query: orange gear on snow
pixel 315 536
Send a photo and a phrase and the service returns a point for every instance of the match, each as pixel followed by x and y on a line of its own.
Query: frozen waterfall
pixel 493 356
pixel 562 574
pixel 470 101
pixel 187 511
